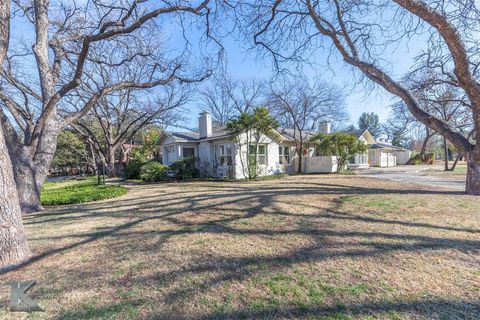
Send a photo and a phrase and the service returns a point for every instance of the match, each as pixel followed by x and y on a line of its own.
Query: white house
pixel 219 154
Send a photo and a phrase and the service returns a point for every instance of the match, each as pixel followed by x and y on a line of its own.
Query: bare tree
pixel 216 99
pixel 363 32
pixel 444 101
pixel 226 98
pixel 302 107
pixel 118 117
pixel 70 41
pixel 13 243
pixel 247 94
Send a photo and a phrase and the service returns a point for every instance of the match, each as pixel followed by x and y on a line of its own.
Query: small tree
pixel 72 151
pixel 248 129
pixel 145 151
pixel 342 145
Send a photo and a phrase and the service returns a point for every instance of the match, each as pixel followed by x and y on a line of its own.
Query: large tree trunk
pixel 24 172
pixel 31 168
pixel 13 242
pixel 473 177
pixel 45 151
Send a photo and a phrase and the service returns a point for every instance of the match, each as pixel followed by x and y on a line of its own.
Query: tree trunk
pixel 473 177
pixel 27 187
pixel 454 165
pixel 13 242
pixel 111 163
pixel 45 151
pixel 425 142
pixel 445 149
pixel 300 157
pixel 31 168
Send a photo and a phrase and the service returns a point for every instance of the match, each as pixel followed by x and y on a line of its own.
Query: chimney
pixel 205 125
pixel 325 127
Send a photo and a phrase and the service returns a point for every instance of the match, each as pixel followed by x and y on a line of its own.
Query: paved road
pixel 413 174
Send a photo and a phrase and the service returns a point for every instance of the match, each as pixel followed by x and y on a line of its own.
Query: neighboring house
pixel 380 152
pixel 220 154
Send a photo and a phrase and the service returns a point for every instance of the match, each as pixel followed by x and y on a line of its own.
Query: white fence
pixel 326 164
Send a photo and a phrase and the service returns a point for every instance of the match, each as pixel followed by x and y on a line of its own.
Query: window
pixel 225 155
pixel 359 159
pixel 188 152
pixel 260 151
pixel 362 159
pixel 283 155
pixel 262 155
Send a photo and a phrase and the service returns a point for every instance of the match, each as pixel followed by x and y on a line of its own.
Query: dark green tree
pixel 370 121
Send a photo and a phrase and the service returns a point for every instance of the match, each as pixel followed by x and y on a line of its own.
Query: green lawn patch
pixel 78 191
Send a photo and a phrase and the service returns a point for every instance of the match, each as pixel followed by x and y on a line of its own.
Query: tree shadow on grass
pixel 144 203
pixel 229 194
pixel 429 308
pixel 170 208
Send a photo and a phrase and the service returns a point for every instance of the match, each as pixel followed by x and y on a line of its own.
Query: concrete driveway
pixel 415 174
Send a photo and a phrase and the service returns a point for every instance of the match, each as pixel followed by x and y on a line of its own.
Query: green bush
pixel 153 171
pixel 185 168
pixel 429 158
pixel 132 171
pixel 418 159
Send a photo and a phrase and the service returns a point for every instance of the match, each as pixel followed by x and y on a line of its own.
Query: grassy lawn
pixel 78 191
pixel 459 172
pixel 306 247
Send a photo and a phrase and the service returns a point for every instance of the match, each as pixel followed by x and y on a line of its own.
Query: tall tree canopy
pixel 50 77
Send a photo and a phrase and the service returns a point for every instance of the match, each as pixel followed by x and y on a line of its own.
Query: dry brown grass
pixel 333 247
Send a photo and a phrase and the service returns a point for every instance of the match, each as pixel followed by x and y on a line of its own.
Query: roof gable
pixel 369 139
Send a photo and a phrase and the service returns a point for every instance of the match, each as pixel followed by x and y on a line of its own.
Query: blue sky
pixel 359 97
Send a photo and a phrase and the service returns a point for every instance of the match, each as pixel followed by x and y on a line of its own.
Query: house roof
pixel 380 145
pixel 291 134
pixel 220 132
pixel 186 136
pixel 356 132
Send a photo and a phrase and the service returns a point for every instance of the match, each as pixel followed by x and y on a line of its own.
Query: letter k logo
pixel 19 300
